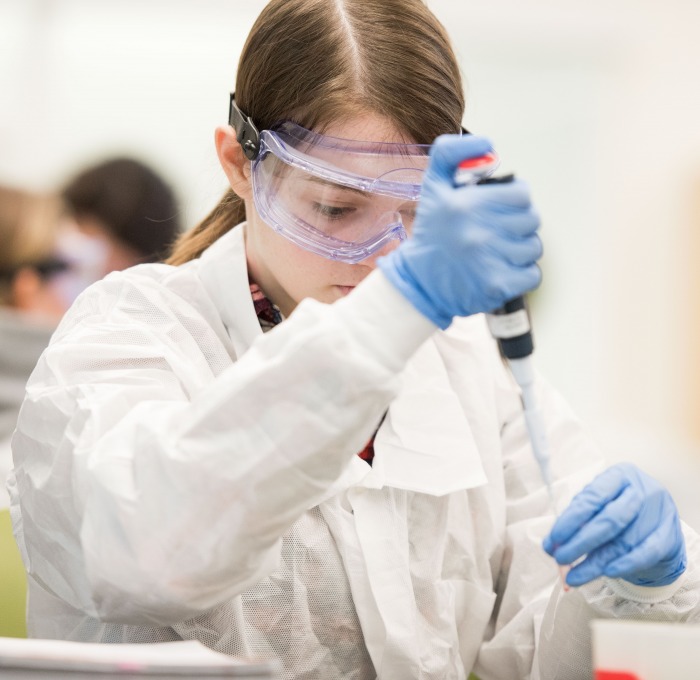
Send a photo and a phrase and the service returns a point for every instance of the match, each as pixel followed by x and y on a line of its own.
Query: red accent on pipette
pixel 473 170
pixel 615 675
pixel 479 162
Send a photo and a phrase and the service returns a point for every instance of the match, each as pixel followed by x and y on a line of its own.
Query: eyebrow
pixel 334 185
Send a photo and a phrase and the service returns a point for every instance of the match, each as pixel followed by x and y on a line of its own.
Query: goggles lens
pixel 341 199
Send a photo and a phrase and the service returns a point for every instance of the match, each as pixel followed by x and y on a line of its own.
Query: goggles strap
pixel 246 132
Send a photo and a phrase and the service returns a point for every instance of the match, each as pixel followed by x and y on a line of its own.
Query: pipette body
pixel 510 325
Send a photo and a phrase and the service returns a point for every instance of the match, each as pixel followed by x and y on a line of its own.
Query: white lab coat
pixel 181 475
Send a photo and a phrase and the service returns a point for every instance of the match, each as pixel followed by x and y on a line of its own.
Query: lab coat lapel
pixel 425 443
pixel 224 272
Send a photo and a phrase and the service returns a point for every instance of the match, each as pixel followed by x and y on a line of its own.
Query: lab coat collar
pixel 223 269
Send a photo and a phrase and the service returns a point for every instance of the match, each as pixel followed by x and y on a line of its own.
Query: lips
pixel 345 289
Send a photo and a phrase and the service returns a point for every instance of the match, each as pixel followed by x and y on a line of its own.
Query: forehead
pixel 367 127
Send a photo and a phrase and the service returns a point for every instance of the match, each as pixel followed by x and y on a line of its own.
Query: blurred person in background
pixel 34 280
pixel 127 208
pixel 112 216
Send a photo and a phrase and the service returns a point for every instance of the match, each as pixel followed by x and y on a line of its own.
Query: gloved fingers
pixel 505 283
pixel 520 252
pixel 519 280
pixel 520 224
pixel 610 522
pixel 585 505
pixel 499 198
pixel 448 151
pixel 640 564
pixel 594 565
pixel 626 525
pixel 599 560
pixel 655 556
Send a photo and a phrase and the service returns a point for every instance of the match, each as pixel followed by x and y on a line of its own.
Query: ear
pixel 25 289
pixel 233 161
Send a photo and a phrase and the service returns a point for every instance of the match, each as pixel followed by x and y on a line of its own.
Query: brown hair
pixel 131 201
pixel 318 61
pixel 28 224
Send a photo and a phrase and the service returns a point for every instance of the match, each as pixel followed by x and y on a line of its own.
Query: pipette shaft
pixel 510 325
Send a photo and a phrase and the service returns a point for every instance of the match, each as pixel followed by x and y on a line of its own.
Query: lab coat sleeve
pixel 5 465
pixel 152 490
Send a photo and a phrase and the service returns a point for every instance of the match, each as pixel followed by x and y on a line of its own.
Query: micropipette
pixel 510 325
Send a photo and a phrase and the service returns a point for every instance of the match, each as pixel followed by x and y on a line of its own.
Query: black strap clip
pixel 246 132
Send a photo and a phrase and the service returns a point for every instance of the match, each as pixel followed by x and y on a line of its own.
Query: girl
pixel 187 456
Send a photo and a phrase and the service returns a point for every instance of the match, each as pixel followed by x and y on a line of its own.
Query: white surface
pixel 175 657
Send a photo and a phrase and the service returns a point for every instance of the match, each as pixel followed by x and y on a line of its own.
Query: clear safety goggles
pixel 341 199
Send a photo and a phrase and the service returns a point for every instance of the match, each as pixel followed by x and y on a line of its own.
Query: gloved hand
pixel 473 247
pixel 628 527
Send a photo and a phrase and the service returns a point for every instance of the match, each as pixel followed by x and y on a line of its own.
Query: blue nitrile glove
pixel 626 524
pixel 473 248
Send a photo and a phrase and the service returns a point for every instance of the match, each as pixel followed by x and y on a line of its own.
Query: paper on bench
pixel 181 657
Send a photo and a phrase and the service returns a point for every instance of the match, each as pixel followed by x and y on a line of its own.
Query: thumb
pixel 448 151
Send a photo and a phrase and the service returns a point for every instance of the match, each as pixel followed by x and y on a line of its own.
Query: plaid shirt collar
pixel 268 313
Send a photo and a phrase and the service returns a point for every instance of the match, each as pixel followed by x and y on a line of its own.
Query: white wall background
pixel 596 104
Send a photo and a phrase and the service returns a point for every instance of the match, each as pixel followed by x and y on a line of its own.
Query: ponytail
pixel 229 212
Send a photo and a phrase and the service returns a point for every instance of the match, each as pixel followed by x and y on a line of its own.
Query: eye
pixel 332 212
pixel 408 212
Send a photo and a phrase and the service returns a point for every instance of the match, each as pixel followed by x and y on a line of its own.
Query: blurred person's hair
pixel 28 228
pixel 131 201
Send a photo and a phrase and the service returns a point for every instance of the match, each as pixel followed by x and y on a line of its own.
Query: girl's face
pixel 287 273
